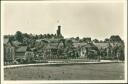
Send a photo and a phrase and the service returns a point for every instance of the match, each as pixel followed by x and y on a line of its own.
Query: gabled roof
pixel 53 40
pixel 102 45
pixel 6 40
pixel 13 43
pixel 76 45
pixel 48 40
pixel 54 45
pixel 16 43
pixel 21 49
pixel 89 45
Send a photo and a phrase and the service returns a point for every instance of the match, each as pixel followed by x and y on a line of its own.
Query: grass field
pixel 112 71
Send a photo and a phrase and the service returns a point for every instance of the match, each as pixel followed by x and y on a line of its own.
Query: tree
pixel 115 38
pixel 106 40
pixel 77 38
pixel 11 38
pixel 40 36
pixel 26 35
pixel 69 43
pixel 28 49
pixel 19 36
pixel 121 51
pixel 101 41
pixel 96 41
pixel 6 36
pixel 87 40
pixel 36 36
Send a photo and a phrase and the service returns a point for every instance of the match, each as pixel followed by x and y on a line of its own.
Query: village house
pixel 54 50
pixel 29 56
pixel 9 51
pixel 16 43
pixel 20 53
pixel 78 49
pixel 109 50
pixel 83 49
pixel 57 47
pixel 89 51
pixel 105 47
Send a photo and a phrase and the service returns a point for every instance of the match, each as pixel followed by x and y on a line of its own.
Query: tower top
pixel 58 22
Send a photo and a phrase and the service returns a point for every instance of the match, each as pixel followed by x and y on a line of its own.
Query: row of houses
pixel 60 49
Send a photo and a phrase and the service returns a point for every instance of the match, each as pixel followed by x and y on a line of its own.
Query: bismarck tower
pixel 58 32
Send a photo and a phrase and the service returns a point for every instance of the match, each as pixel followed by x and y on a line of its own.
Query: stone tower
pixel 58 32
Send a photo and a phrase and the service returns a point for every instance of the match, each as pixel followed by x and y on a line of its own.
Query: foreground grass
pixel 112 71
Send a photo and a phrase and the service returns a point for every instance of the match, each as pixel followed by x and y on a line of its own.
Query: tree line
pixel 26 38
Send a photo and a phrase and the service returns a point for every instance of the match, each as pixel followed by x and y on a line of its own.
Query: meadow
pixel 110 71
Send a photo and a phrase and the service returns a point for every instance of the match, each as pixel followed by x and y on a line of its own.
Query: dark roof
pixel 21 49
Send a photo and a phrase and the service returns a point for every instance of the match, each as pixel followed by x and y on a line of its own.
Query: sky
pixel 96 20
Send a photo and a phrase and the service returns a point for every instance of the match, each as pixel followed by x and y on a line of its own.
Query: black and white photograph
pixel 63 41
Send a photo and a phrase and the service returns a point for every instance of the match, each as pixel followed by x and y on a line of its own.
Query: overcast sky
pixel 96 20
